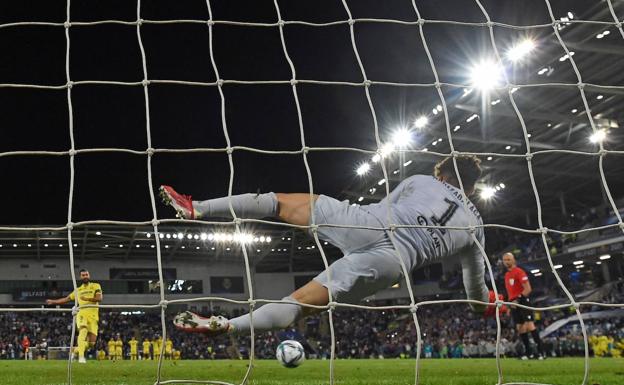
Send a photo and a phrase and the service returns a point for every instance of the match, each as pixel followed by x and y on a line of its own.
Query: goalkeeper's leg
pixel 291 208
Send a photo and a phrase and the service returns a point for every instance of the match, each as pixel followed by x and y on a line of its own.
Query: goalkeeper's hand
pixel 490 311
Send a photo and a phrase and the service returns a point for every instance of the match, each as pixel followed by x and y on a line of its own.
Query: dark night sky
pixel 114 186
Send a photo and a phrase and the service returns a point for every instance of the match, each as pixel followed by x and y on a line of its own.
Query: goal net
pixel 505 84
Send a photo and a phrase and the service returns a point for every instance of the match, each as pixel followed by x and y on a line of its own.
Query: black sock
pixel 527 346
pixel 538 341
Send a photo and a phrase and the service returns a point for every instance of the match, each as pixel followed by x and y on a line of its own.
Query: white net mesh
pixel 366 85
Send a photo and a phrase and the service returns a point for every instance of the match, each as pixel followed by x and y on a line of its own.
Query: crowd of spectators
pixel 447 332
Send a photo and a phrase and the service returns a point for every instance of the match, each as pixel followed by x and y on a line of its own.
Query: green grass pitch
pixel 560 371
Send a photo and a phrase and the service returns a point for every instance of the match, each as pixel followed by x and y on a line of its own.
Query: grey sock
pixel 271 316
pixel 254 206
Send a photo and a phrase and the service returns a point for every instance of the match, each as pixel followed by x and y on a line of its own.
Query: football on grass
pixel 290 353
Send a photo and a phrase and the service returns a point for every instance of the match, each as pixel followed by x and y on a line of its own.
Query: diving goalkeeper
pixel 370 262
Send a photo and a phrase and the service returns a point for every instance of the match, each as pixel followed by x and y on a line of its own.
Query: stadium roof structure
pixel 269 249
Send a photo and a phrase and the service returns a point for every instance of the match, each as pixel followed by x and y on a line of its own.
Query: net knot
pixel 543 230
pixel 145 82
pixel 581 86
pixel 75 310
pixel 621 224
pixel 575 305
pixel 70 226
pixel 163 303
pixel 210 23
pixel 472 229
pixel 314 228
pixel 618 24
pixel 455 153
pixel 251 302
pixel 220 82
pixel 67 24
pixel 392 228
pixel 332 305
pixel 150 151
pixel 413 308
pixel 305 149
pixel 528 156
pixel 71 152
pixel 367 83
pixel 293 82
pixel 69 84
pixel 489 24
pixel 499 303
pixel 139 22
pixel 155 222
pixel 437 85
pixel 603 152
pixel 238 221
pixel 281 23
pixel 421 22
pixel 229 150
pixel 351 21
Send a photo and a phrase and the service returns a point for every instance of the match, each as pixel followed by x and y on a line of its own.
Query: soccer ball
pixel 290 353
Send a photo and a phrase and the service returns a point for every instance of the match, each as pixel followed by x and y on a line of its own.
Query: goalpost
pixel 365 84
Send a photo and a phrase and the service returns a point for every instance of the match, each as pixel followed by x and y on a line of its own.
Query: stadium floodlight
pixel 175 236
pixel 98 233
pixel 360 199
pixel 262 238
pixel 606 256
pixel 599 97
pixel 180 235
pixel 14 245
pixel 268 239
pixel 534 271
pixel 457 128
pixel 45 245
pixel 189 236
pixel 196 236
pixel 577 263
pixel 376 158
pixel 487 193
pixel 542 71
pixel 599 263
pixel 502 185
pixel 580 266
pixel 407 163
pixel 161 235
pixel 381 182
pixel 598 136
pixel 537 274
pixel 421 122
pixel 489 158
pixel 486 75
pixel 507 147
pixel 558 266
pixel 203 236
pixel 363 169
pixel 149 235
pixel 521 50
pixel 386 149
pixel 168 236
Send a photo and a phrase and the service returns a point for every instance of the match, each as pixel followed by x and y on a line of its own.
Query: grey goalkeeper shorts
pixel 370 263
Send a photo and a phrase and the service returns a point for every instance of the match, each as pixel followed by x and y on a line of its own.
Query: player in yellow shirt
pixel 111 349
pixel 146 349
pixel 118 347
pixel 89 293
pixel 157 345
pixel 134 352
pixel 101 355
pixel 169 349
pixel 176 355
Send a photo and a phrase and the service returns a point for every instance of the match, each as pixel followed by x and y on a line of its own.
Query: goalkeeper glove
pixel 490 311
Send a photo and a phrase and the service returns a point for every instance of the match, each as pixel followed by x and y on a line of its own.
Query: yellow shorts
pixel 89 322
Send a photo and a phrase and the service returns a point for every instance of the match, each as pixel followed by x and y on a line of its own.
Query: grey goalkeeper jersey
pixel 423 200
